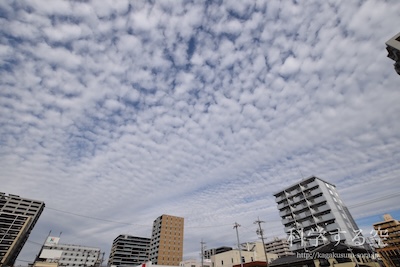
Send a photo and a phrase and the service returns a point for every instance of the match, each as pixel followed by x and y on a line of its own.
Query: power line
pixel 360 204
pixel 95 218
pixel 36 243
pixel 374 200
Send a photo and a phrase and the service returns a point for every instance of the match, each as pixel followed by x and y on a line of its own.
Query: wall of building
pixel 250 252
pixel 166 245
pixel 71 255
pixel 313 213
pixel 18 216
pixel 195 263
pixel 278 246
pixel 128 250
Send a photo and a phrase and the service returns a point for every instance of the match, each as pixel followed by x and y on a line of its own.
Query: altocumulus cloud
pixel 127 110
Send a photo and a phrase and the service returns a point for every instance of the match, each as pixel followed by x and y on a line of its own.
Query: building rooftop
pixel 305 181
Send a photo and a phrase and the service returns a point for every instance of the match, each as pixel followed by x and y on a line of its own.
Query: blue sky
pixel 127 110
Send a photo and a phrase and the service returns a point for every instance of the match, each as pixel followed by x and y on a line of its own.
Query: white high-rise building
pixel 18 216
pixel 393 48
pixel 128 250
pixel 313 213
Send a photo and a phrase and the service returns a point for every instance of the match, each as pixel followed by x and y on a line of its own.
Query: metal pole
pixel 202 253
pixel 260 232
pixel 237 235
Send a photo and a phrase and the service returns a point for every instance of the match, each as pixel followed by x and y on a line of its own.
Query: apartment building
pixel 279 246
pixel 18 216
pixel 129 250
pixel 313 214
pixel 166 244
pixel 389 246
pixel 393 48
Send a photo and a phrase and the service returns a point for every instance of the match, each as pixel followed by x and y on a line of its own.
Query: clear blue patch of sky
pixel 370 220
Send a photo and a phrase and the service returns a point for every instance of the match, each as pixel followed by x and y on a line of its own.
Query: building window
pixel 222 262
pixel 243 260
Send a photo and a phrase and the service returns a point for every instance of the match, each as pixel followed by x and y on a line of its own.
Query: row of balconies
pixel 299 198
pixel 296 222
pixel 305 209
pixel 314 240
pixel 296 190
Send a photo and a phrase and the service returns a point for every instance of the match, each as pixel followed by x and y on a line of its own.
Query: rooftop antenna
pixel 302 176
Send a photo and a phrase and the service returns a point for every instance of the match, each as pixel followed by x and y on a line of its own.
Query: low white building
pixel 69 255
pixel 250 252
pixel 195 263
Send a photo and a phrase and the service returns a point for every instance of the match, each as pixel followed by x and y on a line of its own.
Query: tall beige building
pixel 389 233
pixel 166 244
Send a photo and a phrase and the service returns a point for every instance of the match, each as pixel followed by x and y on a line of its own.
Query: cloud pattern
pixel 127 110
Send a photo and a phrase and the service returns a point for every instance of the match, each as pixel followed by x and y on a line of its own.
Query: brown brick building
pixel 389 233
pixel 166 244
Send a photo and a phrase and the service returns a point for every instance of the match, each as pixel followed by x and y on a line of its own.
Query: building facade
pixel 329 255
pixel 18 216
pixel 195 263
pixel 166 244
pixel 279 246
pixel 129 250
pixel 389 246
pixel 209 252
pixel 250 252
pixel 313 214
pixel 393 48
pixel 68 255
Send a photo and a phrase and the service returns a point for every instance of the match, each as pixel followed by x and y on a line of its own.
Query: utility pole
pixel 102 259
pixel 202 252
pixel 261 232
pixel 237 235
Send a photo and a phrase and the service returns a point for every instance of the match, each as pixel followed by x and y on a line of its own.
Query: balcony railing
pixel 285 212
pixel 282 205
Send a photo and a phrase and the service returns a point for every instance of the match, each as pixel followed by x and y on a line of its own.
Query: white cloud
pixel 105 113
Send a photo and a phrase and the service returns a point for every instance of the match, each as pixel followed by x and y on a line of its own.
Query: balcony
pixel 320 209
pixel 307 223
pixel 280 197
pixel 316 191
pixel 328 217
pixel 310 185
pixel 333 227
pixel 291 193
pixel 285 212
pixel 287 220
pixel 324 218
pixel 290 228
pixel 282 205
pixel 317 200
pixel 298 198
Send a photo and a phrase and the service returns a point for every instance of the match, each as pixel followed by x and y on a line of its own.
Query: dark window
pixel 324 263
